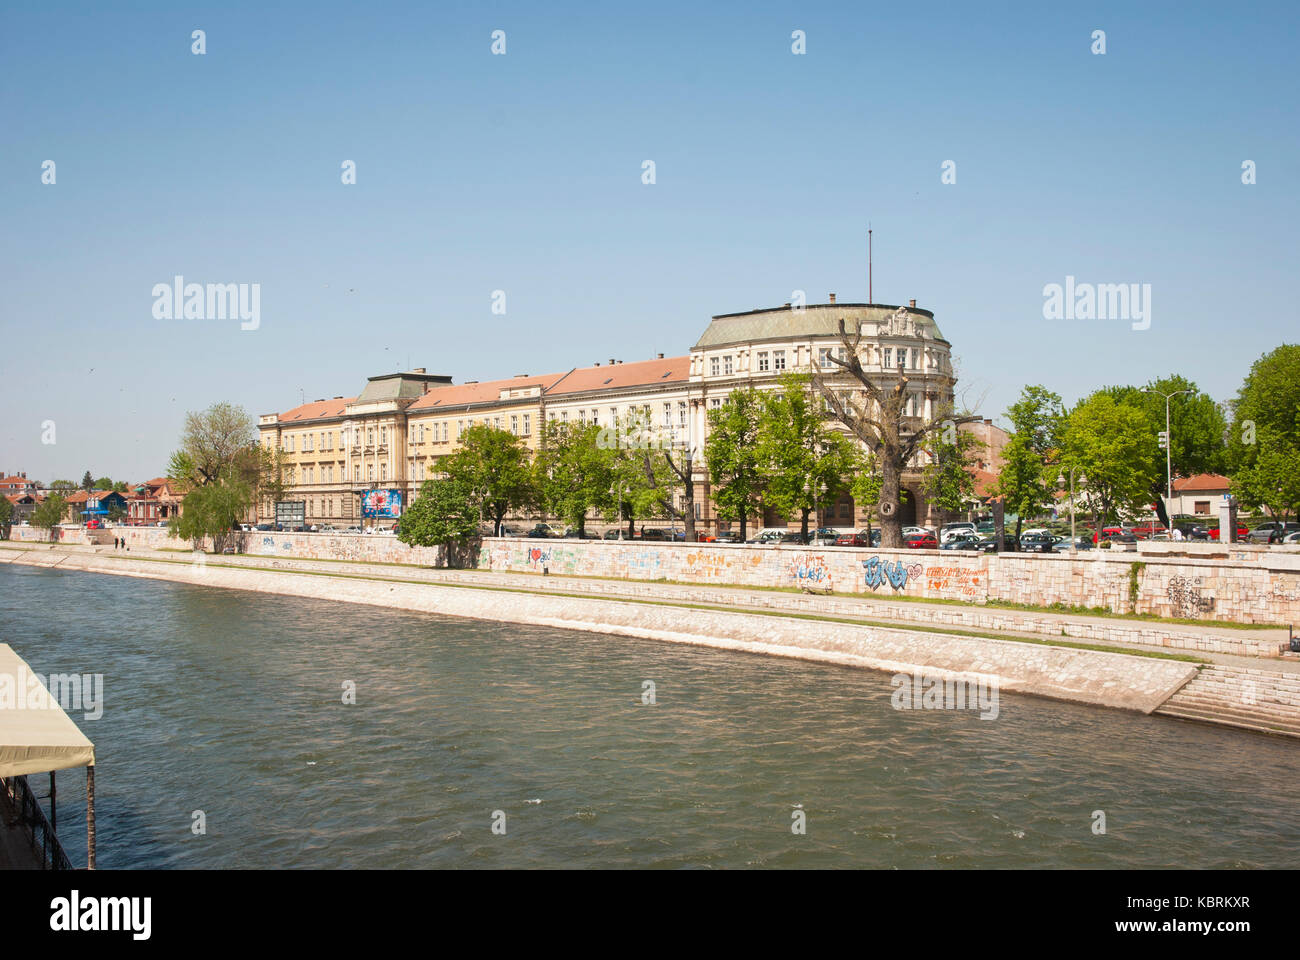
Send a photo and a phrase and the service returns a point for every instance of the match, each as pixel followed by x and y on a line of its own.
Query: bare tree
pixel 872 407
pixel 683 472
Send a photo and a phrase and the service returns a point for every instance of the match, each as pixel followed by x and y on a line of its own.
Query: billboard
pixel 381 503
pixel 291 513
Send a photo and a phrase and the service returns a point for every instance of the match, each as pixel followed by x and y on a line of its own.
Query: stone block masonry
pixel 1256 588
pixel 1253 587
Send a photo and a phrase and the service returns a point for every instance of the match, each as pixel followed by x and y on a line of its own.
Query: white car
pixel 1292 538
pixel 907 531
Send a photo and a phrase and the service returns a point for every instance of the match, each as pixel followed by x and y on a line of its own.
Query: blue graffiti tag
pixel 877 571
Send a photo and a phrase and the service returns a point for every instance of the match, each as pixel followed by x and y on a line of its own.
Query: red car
pixel 92 524
pixel 920 541
pixel 1242 533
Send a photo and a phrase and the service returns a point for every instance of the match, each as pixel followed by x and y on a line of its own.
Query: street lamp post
pixel 1169 445
pixel 1074 542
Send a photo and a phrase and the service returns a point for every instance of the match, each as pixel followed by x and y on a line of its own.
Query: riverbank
pixel 1070 673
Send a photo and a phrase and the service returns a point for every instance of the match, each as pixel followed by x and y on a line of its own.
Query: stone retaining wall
pixel 1083 676
pixel 1250 589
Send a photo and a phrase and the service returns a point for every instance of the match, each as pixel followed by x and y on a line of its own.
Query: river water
pixel 231 704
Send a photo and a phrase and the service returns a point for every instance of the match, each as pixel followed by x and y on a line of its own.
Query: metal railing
pixel 27 811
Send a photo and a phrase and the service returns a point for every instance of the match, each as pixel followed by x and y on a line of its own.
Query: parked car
pixel 1242 533
pixel 93 525
pixel 962 539
pixel 1037 542
pixel 1192 531
pixel 542 530
pixel 921 541
pixel 1291 538
pixel 1272 532
pixel 1115 535
pixel 859 539
pixel 990 544
pixel 1062 544
pixel 345 529
pixel 909 530
pixel 652 533
pixel 731 536
pixel 614 534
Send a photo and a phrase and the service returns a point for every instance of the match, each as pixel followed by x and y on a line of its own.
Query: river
pixel 232 704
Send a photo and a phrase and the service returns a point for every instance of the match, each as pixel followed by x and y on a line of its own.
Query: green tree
pixel 1264 442
pixel 104 483
pixel 6 514
pixel 120 486
pixel 494 466
pixel 806 462
pixel 276 475
pixel 49 513
pixel 643 483
pixel 865 488
pixel 1109 446
pixel 87 482
pixel 214 511
pixel 63 486
pixel 444 514
pixel 1196 424
pixel 1270 478
pixel 946 478
pixel 733 458
pixel 1026 482
pixel 115 512
pixel 574 473
pixel 214 442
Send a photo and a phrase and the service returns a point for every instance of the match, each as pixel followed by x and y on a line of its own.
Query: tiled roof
pixel 462 395
pixel 1201 482
pixel 638 374
pixel 316 410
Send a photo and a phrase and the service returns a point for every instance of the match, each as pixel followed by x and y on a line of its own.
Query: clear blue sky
pixel 523 173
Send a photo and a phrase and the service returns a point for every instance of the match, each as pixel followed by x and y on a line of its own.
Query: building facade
pixel 392 435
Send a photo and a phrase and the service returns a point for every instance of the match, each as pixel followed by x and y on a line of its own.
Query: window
pixel 1201 508
pixel 889 357
pixel 564 416
pixel 726 365
pixel 668 414
pixel 496 423
pixel 582 417
pixel 527 427
pixel 290 439
pixel 681 412
pixel 715 366
pixel 445 425
pixel 370 437
pixel 762 362
pixel 372 471
pixel 383 436
pixel 778 360
pixel 383 472
pixel 460 428
pixel 715 403
pixel 823 356
pixel 514 424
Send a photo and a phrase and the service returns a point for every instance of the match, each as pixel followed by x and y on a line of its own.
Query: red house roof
pixel 1202 483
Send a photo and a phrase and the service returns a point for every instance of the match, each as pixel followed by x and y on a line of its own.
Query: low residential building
pixel 23 505
pixel 1199 495
pixel 17 483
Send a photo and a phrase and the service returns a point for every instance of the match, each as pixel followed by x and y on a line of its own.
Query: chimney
pixel 598 363
pixel 659 357
pixel 832 296
pixel 912 304
pixel 418 370
pixel 611 361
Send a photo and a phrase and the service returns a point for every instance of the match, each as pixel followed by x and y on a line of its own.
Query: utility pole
pixel 1168 444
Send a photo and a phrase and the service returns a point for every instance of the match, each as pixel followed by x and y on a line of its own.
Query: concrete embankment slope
pixel 1062 673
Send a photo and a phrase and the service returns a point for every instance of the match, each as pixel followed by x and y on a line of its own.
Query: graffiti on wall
pixel 963 580
pixel 811 572
pixel 893 572
pixel 1185 598
pixel 707 564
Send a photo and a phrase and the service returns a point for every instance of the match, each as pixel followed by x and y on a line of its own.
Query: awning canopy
pixel 36 736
